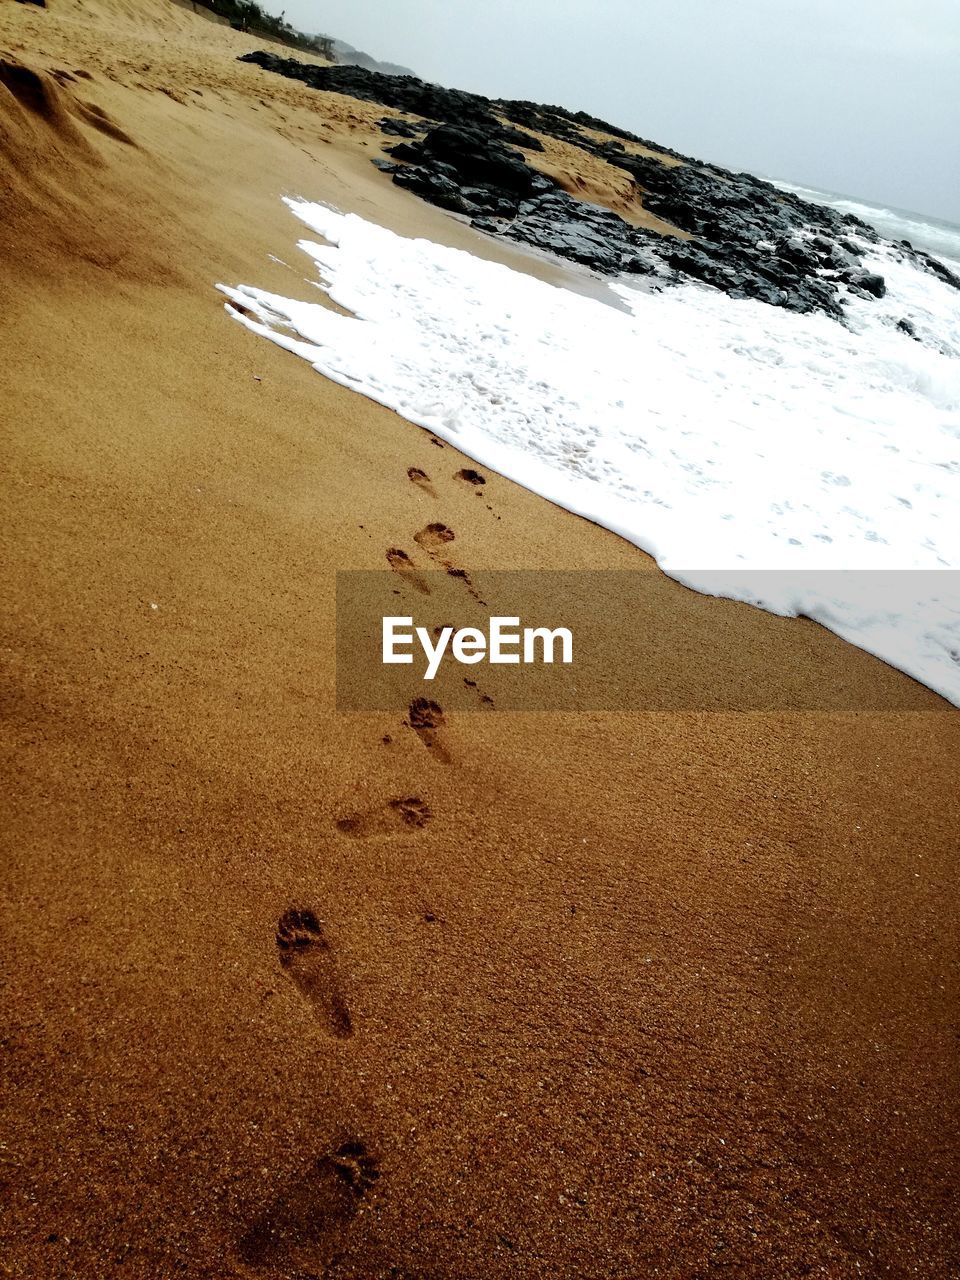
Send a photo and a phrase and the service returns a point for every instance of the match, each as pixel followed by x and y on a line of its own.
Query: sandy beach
pixel 290 993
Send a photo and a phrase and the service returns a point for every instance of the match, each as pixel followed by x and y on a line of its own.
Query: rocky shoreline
pixel 736 232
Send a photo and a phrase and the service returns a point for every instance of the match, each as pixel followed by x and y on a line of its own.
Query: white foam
pixel 718 435
pixel 933 234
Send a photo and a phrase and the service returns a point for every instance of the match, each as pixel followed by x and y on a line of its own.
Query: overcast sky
pixel 861 97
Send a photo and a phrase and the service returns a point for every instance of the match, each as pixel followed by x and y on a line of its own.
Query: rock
pixel 477 157
pixel 936 268
pixel 864 283
pixel 746 237
pixel 468 169
pixel 400 128
pixel 580 232
pixel 434 187
pixel 406 151
pixel 400 92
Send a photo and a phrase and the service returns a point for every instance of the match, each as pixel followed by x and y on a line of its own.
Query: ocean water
pixel 933 234
pixel 723 436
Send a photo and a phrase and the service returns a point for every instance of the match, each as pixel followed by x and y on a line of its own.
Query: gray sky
pixel 859 97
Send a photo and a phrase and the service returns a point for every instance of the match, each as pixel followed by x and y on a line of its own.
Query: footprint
pixel 305 1227
pixel 484 697
pixel 465 579
pixel 407 814
pixel 426 719
pixel 469 476
pixel 401 563
pixel 434 536
pixel 420 478
pixel 356 1167
pixel 306 956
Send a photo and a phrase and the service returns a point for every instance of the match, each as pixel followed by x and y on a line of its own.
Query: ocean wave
pixel 933 235
pixel 722 436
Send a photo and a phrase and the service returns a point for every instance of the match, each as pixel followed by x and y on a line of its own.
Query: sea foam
pixel 722 436
pixel 933 234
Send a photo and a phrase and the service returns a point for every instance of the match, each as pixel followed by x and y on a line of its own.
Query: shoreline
pixel 625 994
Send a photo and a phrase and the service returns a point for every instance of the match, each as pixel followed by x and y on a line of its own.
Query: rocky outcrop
pixel 569 126
pixel 741 234
pixel 433 102
pixel 585 233
pixel 932 264
pixel 473 163
pixel 750 241
pixel 402 93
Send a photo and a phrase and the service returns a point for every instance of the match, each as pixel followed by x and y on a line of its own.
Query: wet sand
pixel 290 993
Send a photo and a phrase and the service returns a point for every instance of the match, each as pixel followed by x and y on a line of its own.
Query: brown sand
pixel 590 178
pixel 552 996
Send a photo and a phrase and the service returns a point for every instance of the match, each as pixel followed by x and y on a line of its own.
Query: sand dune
pixel 295 994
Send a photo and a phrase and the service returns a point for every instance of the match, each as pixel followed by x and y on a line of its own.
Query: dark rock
pixel 584 233
pixel 405 151
pixel 864 283
pixel 478 158
pixel 402 93
pixel 400 128
pixel 569 126
pixel 906 326
pixel 467 169
pixel 434 187
pixel 743 235
pixel 936 268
